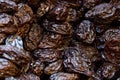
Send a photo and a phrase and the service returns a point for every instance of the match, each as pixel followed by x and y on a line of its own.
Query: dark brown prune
pixel 58 13
pixel 34 3
pixel 24 13
pixel 51 40
pixel 103 13
pixel 60 28
pixel 7 68
pixel 85 31
pixel 89 4
pixel 6 20
pixel 23 30
pixel 33 38
pixel 79 59
pixel 27 76
pixel 37 67
pixel 2 37
pixel 7 5
pixel 107 70
pixel 47 55
pixel 112 45
pixel 74 14
pixel 44 8
pixel 54 67
pixel 64 76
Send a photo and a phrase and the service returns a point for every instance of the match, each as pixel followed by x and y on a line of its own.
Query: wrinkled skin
pixel 44 8
pixel 37 67
pixel 33 38
pixel 24 14
pixel 64 76
pixel 7 5
pixel 7 68
pixel 27 76
pixel 89 4
pixel 54 67
pixel 47 55
pixel 80 59
pixel 103 13
pixel 63 28
pixel 58 13
pixel 85 31
pixel 107 70
pixel 51 40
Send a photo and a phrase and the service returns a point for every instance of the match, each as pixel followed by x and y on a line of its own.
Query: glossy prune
pixel 103 13
pixel 54 67
pixel 64 76
pixel 60 28
pixel 47 55
pixel 85 31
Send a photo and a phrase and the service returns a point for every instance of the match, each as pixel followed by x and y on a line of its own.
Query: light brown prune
pixel 33 38
pixel 107 70
pixel 103 13
pixel 47 55
pixel 27 76
pixel 85 31
pixel 44 8
pixel 79 59
pixel 7 5
pixel 2 37
pixel 51 40
pixel 7 68
pixel 89 4
pixel 64 76
pixel 60 28
pixel 54 67
pixel 24 14
pixel 58 13
pixel 37 67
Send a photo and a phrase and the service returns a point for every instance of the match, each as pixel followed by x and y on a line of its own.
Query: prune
pixel 79 59
pixel 37 67
pixel 60 28
pixel 27 76
pixel 103 13
pixel 107 70
pixel 89 4
pixel 47 55
pixel 58 13
pixel 6 20
pixel 7 68
pixel 2 37
pixel 24 13
pixel 44 8
pixel 7 5
pixel 85 31
pixel 33 38
pixel 51 40
pixel 64 76
pixel 23 30
pixel 54 67
pixel 111 39
pixel 74 14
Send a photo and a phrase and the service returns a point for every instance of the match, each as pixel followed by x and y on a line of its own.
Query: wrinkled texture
pixel 64 76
